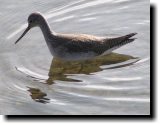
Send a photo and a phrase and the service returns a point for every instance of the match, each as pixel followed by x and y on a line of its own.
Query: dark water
pixel 33 82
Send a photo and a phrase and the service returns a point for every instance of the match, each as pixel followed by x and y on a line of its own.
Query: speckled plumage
pixel 76 46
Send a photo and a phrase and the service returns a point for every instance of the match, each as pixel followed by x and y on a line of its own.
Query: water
pixel 31 82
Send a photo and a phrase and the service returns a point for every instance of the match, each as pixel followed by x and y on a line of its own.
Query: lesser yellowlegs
pixel 75 46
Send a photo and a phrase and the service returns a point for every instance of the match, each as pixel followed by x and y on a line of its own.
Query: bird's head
pixel 34 20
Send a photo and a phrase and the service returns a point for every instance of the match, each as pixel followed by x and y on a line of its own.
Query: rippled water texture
pixel 33 82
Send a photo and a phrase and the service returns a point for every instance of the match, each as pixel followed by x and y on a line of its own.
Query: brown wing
pixel 82 43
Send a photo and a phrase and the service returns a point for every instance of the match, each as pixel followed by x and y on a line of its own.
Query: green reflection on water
pixel 37 95
pixel 59 68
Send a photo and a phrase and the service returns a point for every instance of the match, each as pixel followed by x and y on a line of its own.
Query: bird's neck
pixel 46 30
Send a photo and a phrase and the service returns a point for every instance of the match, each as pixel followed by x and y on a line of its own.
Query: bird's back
pixel 80 37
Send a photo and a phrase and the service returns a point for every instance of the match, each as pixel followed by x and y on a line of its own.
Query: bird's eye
pixel 30 21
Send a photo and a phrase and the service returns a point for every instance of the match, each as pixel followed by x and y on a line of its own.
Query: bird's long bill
pixel 27 29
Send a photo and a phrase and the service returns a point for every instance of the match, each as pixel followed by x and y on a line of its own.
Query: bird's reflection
pixel 37 95
pixel 59 69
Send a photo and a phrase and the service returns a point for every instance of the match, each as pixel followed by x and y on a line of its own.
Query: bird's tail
pixel 120 41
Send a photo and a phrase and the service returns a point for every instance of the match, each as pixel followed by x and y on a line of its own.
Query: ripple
pixel 64 18
pixel 78 7
pixel 124 79
pixel 57 102
pixel 86 19
pixel 16 31
pixel 143 60
pixel 123 99
pixel 121 65
pixel 129 99
pixel 96 87
pixel 65 6
pixel 31 73
pixel 20 88
pixel 120 1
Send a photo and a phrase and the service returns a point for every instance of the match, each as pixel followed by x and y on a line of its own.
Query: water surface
pixel 34 82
